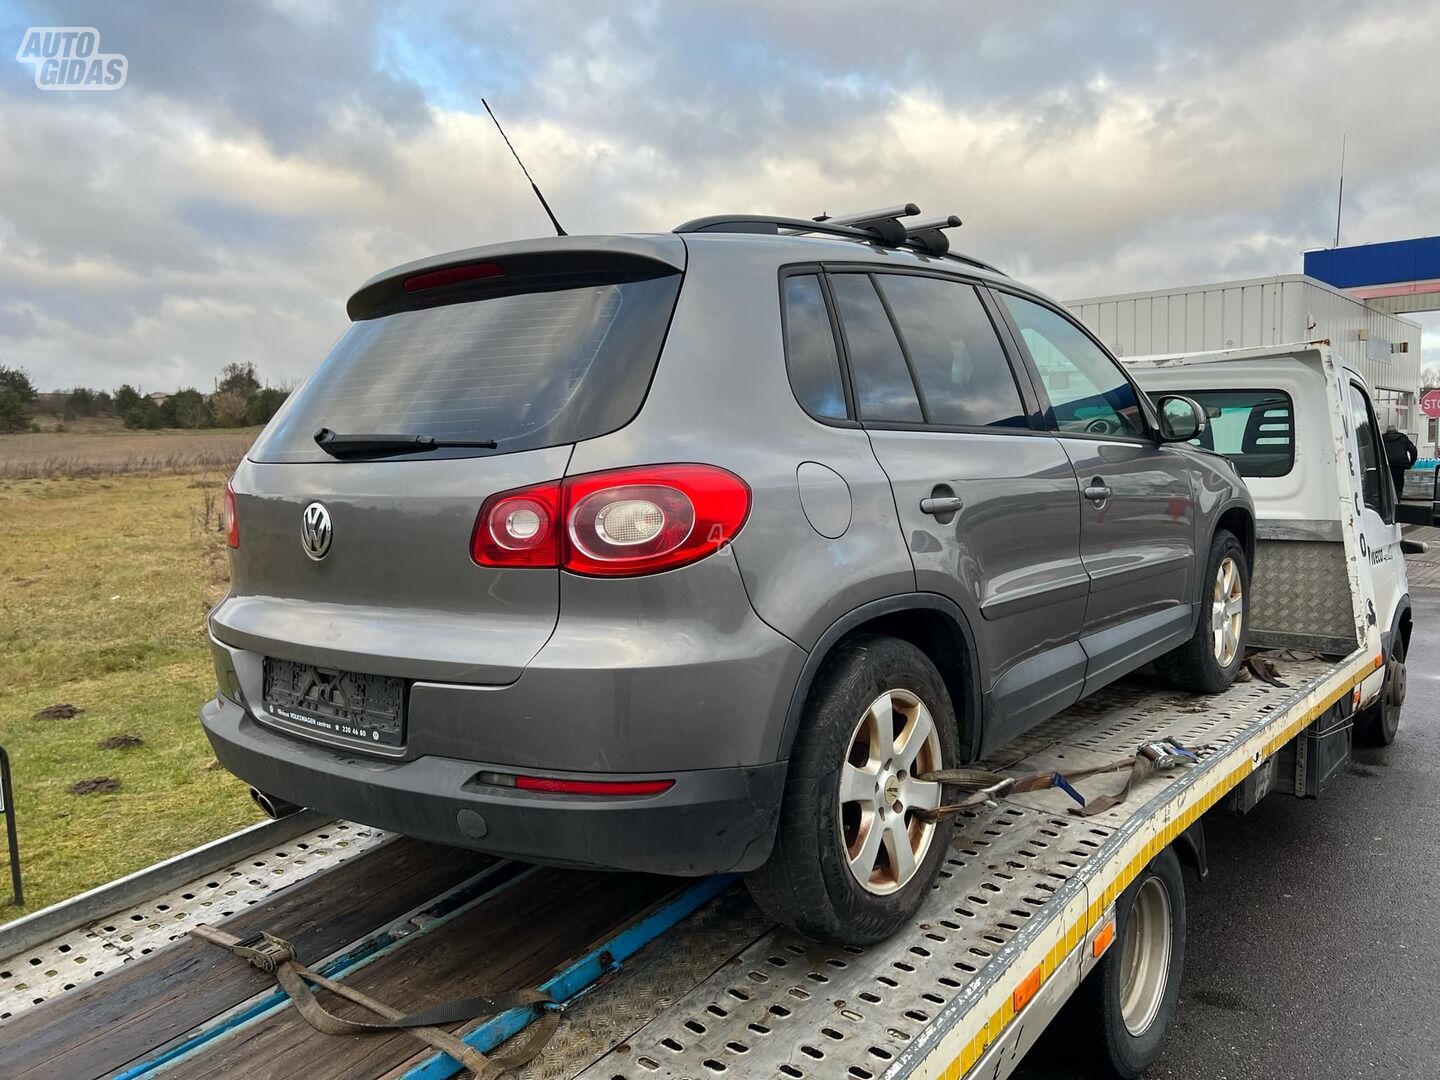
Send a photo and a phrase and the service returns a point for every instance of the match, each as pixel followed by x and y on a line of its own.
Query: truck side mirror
pixel 1181 418
pixel 1423 513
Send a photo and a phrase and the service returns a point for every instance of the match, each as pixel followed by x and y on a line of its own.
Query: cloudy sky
pixel 265 158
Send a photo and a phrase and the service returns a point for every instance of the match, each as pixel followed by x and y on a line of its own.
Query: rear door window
pixel 810 353
pixel 529 369
pixel 958 360
pixel 1255 429
pixel 883 387
pixel 1089 394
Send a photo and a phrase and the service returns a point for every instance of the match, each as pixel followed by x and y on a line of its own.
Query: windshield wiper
pixel 342 446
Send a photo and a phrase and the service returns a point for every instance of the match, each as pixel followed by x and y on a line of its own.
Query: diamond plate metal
pixel 37 975
pixel 1301 583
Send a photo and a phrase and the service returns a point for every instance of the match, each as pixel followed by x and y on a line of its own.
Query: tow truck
pixel 561 973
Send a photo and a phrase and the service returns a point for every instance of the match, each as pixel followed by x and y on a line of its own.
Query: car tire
pixel 1209 661
pixel 1131 997
pixel 1379 722
pixel 825 839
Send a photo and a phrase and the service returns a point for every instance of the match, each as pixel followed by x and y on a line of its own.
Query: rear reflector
pixel 232 520
pixel 1103 939
pixel 453 275
pixel 593 787
pixel 1028 988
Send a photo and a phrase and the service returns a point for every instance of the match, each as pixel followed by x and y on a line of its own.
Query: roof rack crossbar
pixel 869 217
pixel 766 223
pixel 949 221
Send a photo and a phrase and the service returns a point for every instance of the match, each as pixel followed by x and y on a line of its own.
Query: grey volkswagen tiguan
pixel 703 551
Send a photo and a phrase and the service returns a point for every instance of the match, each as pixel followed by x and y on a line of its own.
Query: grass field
pixel 104 584
pixel 100 448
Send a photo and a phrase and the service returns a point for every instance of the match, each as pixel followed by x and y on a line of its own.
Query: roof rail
pixel 881 227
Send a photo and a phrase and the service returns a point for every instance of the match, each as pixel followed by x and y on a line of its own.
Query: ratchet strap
pixel 276 957
pixel 983 786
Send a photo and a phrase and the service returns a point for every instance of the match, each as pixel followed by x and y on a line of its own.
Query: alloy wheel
pixel 883 839
pixel 1227 612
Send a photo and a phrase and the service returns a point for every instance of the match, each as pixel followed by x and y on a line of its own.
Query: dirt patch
pixel 101 784
pixel 59 712
pixel 121 742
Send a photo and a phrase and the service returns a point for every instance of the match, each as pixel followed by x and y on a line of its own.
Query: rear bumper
pixel 710 821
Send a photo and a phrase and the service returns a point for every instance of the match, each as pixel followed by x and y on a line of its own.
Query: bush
pixel 228 408
pixel 17 393
pixel 263 405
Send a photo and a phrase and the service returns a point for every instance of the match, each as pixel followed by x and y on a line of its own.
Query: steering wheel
pixel 1101 426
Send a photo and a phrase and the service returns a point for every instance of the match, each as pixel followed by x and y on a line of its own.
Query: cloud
pixel 263 160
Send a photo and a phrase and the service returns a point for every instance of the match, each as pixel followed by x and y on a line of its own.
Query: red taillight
pixel 519 528
pixel 453 275
pixel 593 787
pixel 232 520
pixel 620 523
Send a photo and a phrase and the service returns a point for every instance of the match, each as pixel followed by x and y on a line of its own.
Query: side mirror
pixel 1181 418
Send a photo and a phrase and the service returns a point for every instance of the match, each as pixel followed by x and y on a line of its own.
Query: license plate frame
pixel 348 705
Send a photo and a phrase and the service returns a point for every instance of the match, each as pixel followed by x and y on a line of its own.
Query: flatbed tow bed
pixel 685 979
pixel 662 979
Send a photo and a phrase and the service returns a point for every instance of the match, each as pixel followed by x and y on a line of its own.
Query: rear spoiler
pixel 498 268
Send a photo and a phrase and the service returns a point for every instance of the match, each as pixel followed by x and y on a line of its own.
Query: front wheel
pixel 1379 722
pixel 1131 997
pixel 855 852
pixel 1209 661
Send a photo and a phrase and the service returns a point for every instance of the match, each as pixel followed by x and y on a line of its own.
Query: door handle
pixel 1097 490
pixel 949 504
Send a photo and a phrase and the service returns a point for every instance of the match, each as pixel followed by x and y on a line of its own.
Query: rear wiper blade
pixel 337 445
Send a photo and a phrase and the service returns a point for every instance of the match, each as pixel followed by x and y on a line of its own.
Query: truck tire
pixel 852 861
pixel 1208 662
pixel 1130 998
pixel 1379 722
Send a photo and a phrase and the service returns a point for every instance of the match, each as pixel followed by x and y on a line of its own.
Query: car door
pixel 1137 511
pixel 1379 531
pixel 989 504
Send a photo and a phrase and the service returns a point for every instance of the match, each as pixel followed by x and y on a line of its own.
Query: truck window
pixel 1255 429
pixel 1374 481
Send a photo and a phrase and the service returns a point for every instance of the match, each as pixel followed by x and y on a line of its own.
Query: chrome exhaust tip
pixel 272 806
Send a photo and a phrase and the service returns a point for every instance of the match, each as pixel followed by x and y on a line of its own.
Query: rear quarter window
pixel 1255 429
pixel 529 369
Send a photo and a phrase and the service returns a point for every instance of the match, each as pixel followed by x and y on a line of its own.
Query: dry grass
pixel 104 585
pixel 111 452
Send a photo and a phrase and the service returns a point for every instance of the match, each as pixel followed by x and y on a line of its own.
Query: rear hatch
pixel 534 346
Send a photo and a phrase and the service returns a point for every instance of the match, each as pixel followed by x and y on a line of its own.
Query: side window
pixel 883 387
pixel 810 353
pixel 1373 482
pixel 958 360
pixel 1255 429
pixel 1088 393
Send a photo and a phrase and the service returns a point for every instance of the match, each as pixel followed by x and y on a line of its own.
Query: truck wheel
pixel 1379 722
pixel 1130 998
pixel 853 858
pixel 1207 663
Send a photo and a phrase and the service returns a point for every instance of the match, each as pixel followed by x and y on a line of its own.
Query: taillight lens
pixel 620 523
pixel 232 520
pixel 519 528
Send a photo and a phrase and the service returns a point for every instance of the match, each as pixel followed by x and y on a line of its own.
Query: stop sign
pixel 1430 403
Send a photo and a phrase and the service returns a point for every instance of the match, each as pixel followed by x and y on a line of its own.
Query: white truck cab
pixel 1299 427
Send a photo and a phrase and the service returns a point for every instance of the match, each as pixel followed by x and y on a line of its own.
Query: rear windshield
pixel 528 369
pixel 1255 429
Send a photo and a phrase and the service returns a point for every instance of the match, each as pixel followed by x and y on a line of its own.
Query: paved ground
pixel 1314 947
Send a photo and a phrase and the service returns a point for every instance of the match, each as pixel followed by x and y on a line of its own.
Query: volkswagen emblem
pixel 315 532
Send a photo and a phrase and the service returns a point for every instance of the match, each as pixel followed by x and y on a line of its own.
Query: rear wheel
pixel 1379 722
pixel 854 853
pixel 1208 662
pixel 1130 997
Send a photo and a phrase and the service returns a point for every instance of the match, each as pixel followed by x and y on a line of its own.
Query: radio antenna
pixel 533 186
